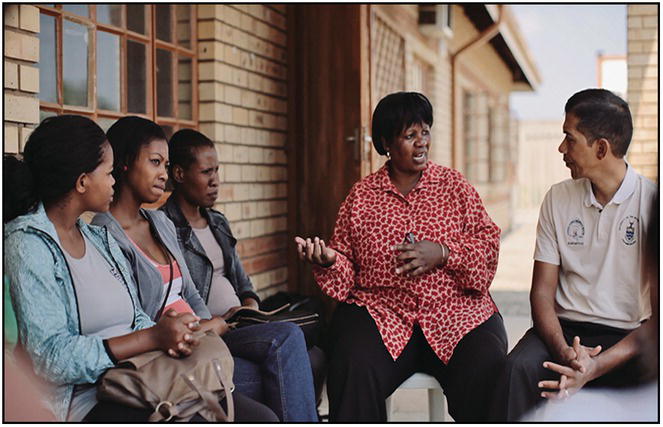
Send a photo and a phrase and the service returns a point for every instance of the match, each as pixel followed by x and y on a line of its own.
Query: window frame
pixel 150 41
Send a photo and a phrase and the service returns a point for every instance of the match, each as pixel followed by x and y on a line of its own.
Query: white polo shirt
pixel 599 250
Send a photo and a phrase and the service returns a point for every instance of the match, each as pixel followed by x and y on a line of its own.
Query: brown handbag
pixel 175 389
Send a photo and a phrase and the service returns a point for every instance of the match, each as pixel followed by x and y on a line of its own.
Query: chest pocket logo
pixel 575 233
pixel 628 230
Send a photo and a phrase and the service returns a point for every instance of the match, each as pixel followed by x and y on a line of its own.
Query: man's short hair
pixel 602 114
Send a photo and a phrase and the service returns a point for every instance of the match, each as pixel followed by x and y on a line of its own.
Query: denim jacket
pixel 46 306
pixel 198 262
pixel 146 276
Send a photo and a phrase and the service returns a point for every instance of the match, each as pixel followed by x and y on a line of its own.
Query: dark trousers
pixel 362 373
pixel 517 390
pixel 246 410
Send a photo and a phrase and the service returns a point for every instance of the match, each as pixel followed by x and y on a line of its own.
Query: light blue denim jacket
pixel 44 299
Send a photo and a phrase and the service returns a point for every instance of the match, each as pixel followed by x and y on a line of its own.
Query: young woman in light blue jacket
pixel 73 294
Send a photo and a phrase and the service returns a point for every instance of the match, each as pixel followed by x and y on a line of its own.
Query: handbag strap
pixel 229 392
pixel 167 254
pixel 165 298
pixel 211 400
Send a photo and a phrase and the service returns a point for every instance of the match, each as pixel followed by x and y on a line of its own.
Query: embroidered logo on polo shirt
pixel 575 232
pixel 627 229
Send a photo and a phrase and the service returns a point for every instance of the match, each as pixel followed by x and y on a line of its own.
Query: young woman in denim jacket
pixel 66 326
pixel 267 367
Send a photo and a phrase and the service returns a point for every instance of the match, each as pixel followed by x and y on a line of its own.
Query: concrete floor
pixel 510 290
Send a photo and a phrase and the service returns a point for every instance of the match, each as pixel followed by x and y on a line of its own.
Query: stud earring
pixel 388 155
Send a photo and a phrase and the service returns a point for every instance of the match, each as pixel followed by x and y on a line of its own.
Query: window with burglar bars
pixel 106 61
pixel 388 49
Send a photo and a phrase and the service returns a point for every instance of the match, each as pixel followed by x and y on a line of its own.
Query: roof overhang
pixel 508 43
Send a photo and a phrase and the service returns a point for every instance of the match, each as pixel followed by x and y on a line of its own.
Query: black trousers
pixel 362 373
pixel 246 410
pixel 517 390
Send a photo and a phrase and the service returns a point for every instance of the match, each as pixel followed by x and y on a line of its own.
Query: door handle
pixel 356 149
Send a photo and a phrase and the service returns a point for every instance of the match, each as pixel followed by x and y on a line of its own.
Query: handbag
pixel 175 389
pixel 306 320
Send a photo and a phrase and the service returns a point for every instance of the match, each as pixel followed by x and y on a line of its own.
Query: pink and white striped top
pixel 175 300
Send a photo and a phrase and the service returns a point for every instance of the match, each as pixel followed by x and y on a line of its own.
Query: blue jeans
pixel 273 367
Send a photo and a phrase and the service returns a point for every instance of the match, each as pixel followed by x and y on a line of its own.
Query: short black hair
pixel 602 114
pixel 57 152
pixel 181 146
pixel 396 112
pixel 127 136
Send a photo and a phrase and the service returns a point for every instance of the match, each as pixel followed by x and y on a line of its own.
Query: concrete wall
pixel 642 60
pixel 243 105
pixel 540 165
pixel 21 83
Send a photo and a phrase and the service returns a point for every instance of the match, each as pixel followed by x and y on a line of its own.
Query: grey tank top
pixel 222 295
pixel 105 308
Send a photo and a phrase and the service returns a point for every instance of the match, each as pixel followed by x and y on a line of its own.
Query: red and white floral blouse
pixel 447 302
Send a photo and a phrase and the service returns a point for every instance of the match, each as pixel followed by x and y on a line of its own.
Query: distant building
pixel 612 73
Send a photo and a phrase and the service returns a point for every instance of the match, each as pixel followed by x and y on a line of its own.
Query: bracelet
pixel 445 253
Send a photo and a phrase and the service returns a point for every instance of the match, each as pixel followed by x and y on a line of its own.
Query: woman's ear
pixel 178 174
pixel 81 183
pixel 385 145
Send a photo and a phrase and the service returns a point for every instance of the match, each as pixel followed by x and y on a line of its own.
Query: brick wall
pixel 642 60
pixel 243 105
pixel 21 85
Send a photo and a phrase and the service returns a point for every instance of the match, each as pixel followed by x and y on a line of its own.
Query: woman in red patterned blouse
pixel 411 259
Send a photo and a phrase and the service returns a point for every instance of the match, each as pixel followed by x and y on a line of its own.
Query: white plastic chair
pixel 436 401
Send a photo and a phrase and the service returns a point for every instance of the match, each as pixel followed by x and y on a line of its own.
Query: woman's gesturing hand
pixel 419 257
pixel 315 251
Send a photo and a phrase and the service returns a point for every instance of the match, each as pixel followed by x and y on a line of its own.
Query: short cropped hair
pixel 181 146
pixel 396 112
pixel 602 114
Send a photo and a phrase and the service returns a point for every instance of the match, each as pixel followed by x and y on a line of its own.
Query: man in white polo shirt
pixel 588 295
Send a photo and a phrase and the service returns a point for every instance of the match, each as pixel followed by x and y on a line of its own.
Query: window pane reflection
pixel 48 89
pixel 184 25
pixel 163 22
pixel 168 130
pixel 184 92
pixel 74 63
pixel 136 77
pixel 108 71
pixel 105 122
pixel 78 9
pixel 43 114
pixel 164 83
pixel 110 14
pixel 136 18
